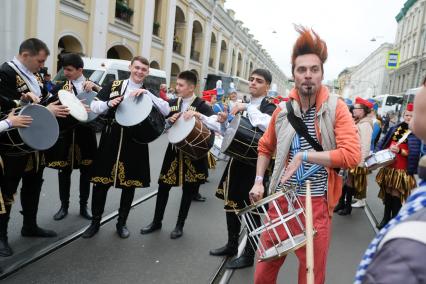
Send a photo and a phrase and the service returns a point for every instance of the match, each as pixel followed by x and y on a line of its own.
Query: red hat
pixel 361 101
pixel 207 94
pixel 410 107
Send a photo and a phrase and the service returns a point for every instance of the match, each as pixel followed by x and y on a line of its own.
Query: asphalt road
pixel 155 258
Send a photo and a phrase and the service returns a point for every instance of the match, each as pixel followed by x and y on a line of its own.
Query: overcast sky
pixel 347 26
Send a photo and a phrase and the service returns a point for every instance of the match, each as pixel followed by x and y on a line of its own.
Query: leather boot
pixel 245 260
pixel 233 226
pixel 98 204
pixel 84 194
pixel 341 203
pixel 62 212
pixel 64 178
pixel 125 205
pixel 178 230
pixel 387 212
pixel 5 249
pixel 160 207
pixel 348 202
pixel 93 228
pixel 30 195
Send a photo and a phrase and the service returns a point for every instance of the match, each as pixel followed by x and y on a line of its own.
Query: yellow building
pixel 175 35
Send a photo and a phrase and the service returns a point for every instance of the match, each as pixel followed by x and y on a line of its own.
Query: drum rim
pixel 192 121
pixel 120 114
pixel 91 115
pixel 22 131
pixel 237 118
pixel 262 201
pixel 85 116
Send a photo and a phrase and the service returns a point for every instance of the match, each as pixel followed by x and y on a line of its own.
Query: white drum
pixel 215 150
pixel 278 234
pixel 76 107
pixel 380 159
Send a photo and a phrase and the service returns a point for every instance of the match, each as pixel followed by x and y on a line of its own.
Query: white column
pixel 100 14
pixel 218 52
pixel 168 38
pixel 188 38
pixel 229 57
pixel 206 54
pixel 148 21
pixel 234 73
pixel 46 19
pixel 243 64
pixel 12 28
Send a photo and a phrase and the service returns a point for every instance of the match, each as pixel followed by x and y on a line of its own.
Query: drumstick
pixel 309 236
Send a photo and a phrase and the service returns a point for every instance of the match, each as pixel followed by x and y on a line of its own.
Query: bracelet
pixel 258 178
pixel 305 156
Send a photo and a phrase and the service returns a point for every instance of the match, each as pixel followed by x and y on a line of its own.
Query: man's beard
pixel 307 92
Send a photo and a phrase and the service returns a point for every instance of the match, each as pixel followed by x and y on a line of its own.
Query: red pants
pixel 267 271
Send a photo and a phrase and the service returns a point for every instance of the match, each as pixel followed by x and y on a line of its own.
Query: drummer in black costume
pixel 120 161
pixel 238 178
pixel 178 169
pixel 76 146
pixel 19 84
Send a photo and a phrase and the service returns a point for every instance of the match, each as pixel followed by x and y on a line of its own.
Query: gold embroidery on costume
pixel 191 174
pixel 170 176
pixel 121 175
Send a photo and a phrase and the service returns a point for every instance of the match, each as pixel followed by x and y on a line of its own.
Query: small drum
pixel 191 137
pixel 40 135
pixel 144 119
pixel 241 139
pixel 215 150
pixel 78 112
pixel 279 236
pixel 380 159
pixel 87 98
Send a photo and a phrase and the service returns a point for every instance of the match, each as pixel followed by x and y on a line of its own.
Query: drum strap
pixel 301 129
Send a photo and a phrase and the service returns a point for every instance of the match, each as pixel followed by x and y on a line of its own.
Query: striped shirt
pixel 318 180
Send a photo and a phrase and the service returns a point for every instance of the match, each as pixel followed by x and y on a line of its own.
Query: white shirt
pixel 3 125
pixel 130 86
pixel 78 84
pixel 256 117
pixel 35 87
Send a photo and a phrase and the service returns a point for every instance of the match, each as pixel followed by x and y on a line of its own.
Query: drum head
pixel 181 129
pixel 77 109
pixel 133 110
pixel 230 133
pixel 87 98
pixel 43 131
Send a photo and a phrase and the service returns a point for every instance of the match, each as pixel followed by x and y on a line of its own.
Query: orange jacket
pixel 347 154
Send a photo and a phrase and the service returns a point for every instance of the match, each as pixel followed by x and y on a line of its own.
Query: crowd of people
pixel 311 135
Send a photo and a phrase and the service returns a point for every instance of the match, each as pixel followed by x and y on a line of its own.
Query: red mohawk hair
pixel 308 42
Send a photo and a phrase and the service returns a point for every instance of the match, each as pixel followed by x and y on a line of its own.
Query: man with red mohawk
pixel 332 142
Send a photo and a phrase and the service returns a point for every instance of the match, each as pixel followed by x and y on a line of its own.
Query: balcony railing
pixel 123 12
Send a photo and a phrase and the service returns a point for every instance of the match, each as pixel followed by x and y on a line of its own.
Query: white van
pixel 103 71
pixel 388 103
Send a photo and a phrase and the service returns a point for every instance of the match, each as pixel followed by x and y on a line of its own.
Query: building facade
pixel 175 35
pixel 410 41
pixel 370 78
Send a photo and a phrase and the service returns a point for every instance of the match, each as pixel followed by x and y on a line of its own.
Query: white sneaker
pixel 359 204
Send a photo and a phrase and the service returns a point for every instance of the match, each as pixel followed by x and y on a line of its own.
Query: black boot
pixel 5 249
pixel 62 212
pixel 84 194
pixel 395 206
pixel 64 178
pixel 93 228
pixel 197 196
pixel 233 226
pixel 348 202
pixel 125 205
pixel 98 204
pixel 178 230
pixel 245 260
pixel 387 212
pixel 30 195
pixel 160 207
pixel 341 204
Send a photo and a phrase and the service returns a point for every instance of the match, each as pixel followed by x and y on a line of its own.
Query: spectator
pixel 163 92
